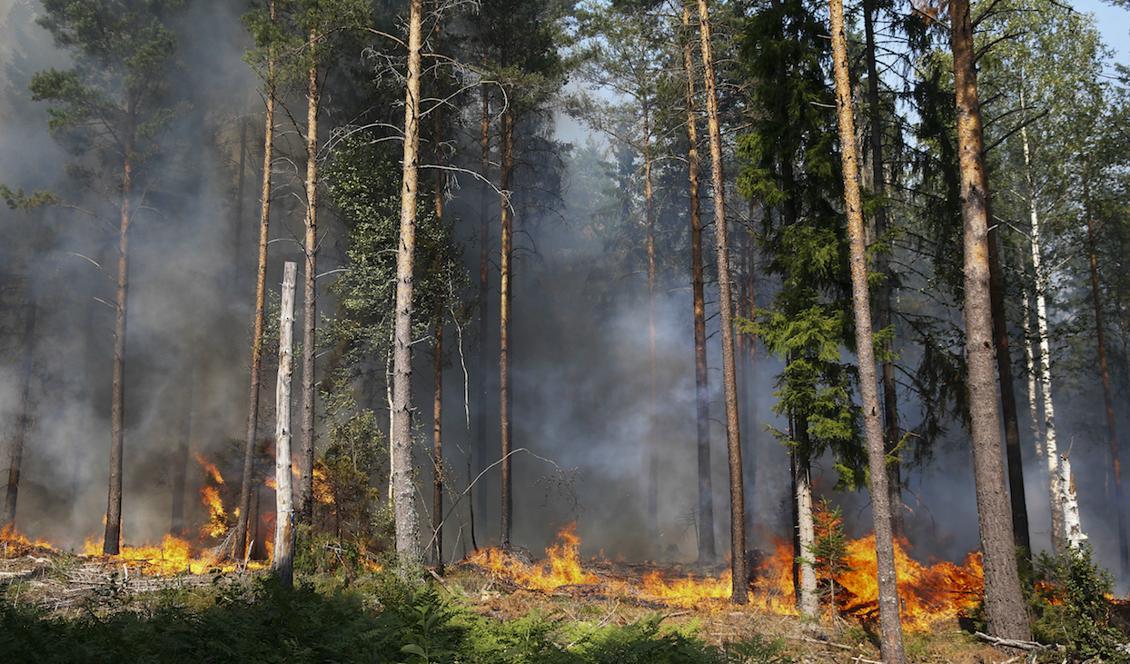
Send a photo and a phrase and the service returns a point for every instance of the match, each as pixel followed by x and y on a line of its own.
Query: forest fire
pixel 930 594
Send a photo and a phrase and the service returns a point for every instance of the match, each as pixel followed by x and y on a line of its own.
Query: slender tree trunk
pixel 652 450
pixel 1033 384
pixel 890 625
pixel 506 513
pixel 283 563
pixel 1060 504
pixel 310 292
pixel 239 537
pixel 404 494
pixel 179 467
pixel 23 421
pixel 1004 602
pixel 111 541
pixel 437 372
pixel 437 442
pixel 808 603
pixel 885 291
pixel 478 494
pixel 1108 390
pixel 706 549
pixel 725 299
pixel 1014 460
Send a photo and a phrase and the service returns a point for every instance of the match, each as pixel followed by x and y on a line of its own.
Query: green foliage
pixel 1071 606
pixel 390 622
pixel 16 199
pixel 829 548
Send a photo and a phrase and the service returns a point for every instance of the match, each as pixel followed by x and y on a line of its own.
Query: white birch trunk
pixel 1072 526
pixel 808 602
pixel 1033 389
pixel 284 508
pixel 1058 495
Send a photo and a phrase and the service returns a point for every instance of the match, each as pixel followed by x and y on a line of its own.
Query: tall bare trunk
pixel 437 375
pixel 890 641
pixel 310 291
pixel 404 494
pixel 1004 602
pixel 507 166
pixel 111 540
pixel 885 291
pixel 23 421
pixel 284 494
pixel 283 563
pixel 1014 460
pixel 725 300
pixel 1108 390
pixel 239 537
pixel 1030 360
pixel 1061 502
pixel 706 549
pixel 437 441
pixel 653 444
pixel 478 497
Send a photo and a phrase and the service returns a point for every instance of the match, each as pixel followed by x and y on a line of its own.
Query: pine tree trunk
pixel 437 371
pixel 506 512
pixel 653 446
pixel 23 421
pixel 239 537
pixel 1108 390
pixel 705 522
pixel 437 441
pixel 111 541
pixel 283 563
pixel 729 373
pixel 890 625
pixel 1004 602
pixel 310 293
pixel 478 494
pixel 403 488
pixel 1057 489
pixel 1014 460
pixel 885 291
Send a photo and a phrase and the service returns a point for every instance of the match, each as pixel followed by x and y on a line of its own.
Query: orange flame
pixel 209 468
pixel 562 566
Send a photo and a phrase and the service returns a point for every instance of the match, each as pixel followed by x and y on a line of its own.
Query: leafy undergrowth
pixel 465 618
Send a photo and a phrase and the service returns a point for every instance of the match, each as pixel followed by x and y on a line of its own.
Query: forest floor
pixel 67 587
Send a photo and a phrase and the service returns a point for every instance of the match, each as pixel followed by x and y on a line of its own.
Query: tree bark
pixel 111 541
pixel 1060 499
pixel 1108 390
pixel 653 446
pixel 437 371
pixel 1004 602
pixel 808 603
pixel 23 421
pixel 705 522
pixel 885 290
pixel 239 537
pixel 478 494
pixel 404 494
pixel 506 513
pixel 310 291
pixel 437 441
pixel 725 299
pixel 1014 460
pixel 890 642
pixel 1033 384
pixel 283 563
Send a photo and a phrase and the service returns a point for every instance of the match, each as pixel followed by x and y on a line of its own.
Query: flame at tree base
pixel 929 594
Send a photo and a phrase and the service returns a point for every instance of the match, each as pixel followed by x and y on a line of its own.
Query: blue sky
pixel 1113 23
